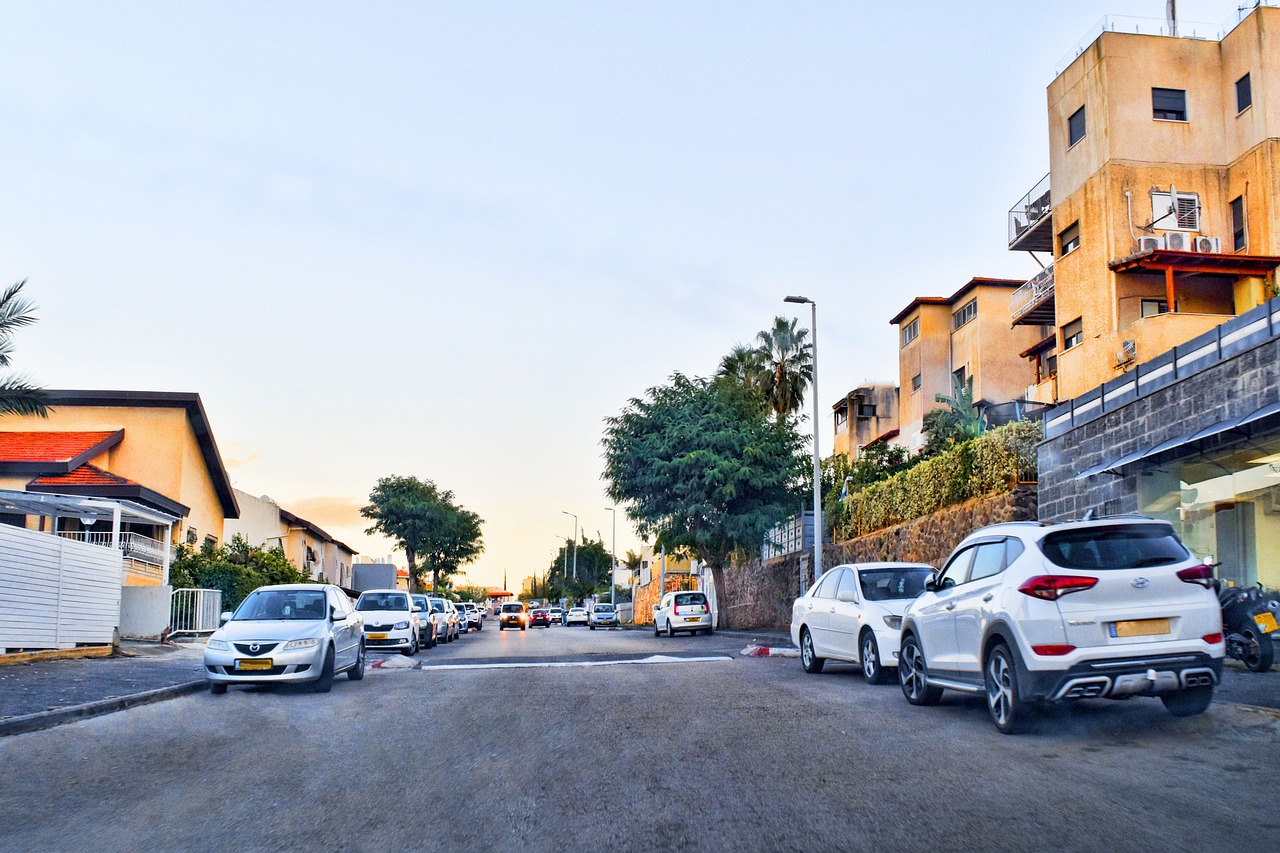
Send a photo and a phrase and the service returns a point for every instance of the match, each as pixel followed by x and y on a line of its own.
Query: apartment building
pixel 944 340
pixel 264 523
pixel 866 414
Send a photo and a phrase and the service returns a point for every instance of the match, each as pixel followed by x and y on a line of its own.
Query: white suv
pixel 1028 613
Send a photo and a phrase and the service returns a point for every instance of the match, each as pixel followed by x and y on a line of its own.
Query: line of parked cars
pixel 1027 614
pixel 313 632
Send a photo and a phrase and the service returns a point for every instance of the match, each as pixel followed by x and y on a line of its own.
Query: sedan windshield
pixel 383 601
pixel 887 584
pixel 274 604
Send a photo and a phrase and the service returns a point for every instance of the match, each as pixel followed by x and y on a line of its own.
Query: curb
pixel 56 654
pixel 49 719
pixel 770 652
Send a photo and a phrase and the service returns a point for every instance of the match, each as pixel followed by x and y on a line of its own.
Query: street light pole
pixel 817 459
pixel 575 542
pixel 613 553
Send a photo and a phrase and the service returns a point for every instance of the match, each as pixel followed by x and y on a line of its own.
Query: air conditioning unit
pixel 1212 245
pixel 1151 243
pixel 1178 241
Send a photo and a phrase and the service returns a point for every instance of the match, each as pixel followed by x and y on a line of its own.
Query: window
pixel 1075 127
pixel 1169 104
pixel 1072 334
pixel 966 313
pixel 1152 307
pixel 911 331
pixel 1051 364
pixel 192 536
pixel 842 420
pixel 827 589
pixel 848 582
pixel 1239 236
pixel 1186 216
pixel 956 570
pixel 1069 239
pixel 915 382
pixel 988 561
pixel 959 379
pixel 866 410
pixel 1244 94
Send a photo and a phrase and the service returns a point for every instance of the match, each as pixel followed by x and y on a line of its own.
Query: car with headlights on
pixel 390 621
pixel 853 613
pixel 514 615
pixel 287 633
pixel 602 615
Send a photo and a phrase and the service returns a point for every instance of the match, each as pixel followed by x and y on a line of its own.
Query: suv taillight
pixel 1200 575
pixel 1053 587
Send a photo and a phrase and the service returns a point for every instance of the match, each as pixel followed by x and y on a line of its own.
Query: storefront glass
pixel 1225 505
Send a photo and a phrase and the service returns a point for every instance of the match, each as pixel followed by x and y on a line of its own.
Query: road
pixel 562 739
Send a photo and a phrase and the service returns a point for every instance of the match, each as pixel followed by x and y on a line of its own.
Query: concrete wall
pixel 144 611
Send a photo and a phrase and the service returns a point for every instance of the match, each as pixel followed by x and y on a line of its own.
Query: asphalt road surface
pixel 569 739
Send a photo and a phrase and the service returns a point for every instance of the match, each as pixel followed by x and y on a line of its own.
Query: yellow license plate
pixel 377 636
pixel 243 665
pixel 1140 628
pixel 693 618
pixel 1267 622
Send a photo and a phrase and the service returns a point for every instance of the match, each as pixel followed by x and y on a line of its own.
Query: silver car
pixel 287 633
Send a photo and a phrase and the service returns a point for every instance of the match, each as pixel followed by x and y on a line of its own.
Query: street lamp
pixel 575 543
pixel 613 553
pixel 817 463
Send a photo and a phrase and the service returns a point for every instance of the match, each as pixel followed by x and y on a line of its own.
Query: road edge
pixel 49 719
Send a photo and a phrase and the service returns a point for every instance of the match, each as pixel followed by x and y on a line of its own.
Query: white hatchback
pixel 854 613
pixel 390 621
pixel 682 611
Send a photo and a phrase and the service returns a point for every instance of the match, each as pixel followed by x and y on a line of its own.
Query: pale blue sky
pixel 448 239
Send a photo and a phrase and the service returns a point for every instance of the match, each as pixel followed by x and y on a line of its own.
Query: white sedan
pixel 576 616
pixel 854 613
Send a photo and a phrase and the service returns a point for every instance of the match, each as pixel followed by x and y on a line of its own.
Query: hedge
pixel 995 461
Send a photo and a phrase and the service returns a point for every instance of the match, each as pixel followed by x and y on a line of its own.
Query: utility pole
pixel 613 553
pixel 575 542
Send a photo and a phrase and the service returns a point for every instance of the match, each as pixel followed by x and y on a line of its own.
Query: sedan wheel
pixel 1008 711
pixel 324 683
pixel 912 674
pixel 808 658
pixel 216 688
pixel 870 655
pixel 357 672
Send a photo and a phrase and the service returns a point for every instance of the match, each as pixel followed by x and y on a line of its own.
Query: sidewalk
pixel 46 693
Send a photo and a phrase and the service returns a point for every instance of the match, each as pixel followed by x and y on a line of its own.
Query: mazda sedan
pixel 287 633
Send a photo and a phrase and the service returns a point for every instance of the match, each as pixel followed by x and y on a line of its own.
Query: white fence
pixel 195 611
pixel 56 593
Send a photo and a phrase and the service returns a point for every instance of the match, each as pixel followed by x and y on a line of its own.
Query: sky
pixel 448 239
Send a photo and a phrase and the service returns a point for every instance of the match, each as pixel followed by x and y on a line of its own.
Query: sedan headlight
pixel 220 645
pixel 894 622
pixel 400 626
pixel 308 643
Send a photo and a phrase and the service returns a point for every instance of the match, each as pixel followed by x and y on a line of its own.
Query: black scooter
pixel 1249 623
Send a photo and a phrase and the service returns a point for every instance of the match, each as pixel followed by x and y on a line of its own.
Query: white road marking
pixel 557 663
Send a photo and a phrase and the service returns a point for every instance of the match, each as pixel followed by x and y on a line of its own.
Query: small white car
pixel 854 614
pixel 602 615
pixel 682 611
pixel 446 620
pixel 390 621
pixel 557 614
pixel 576 616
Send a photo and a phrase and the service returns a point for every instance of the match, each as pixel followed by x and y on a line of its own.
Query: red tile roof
pixel 85 475
pixel 49 446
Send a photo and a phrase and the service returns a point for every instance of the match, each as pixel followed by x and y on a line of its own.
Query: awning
pixel 1116 466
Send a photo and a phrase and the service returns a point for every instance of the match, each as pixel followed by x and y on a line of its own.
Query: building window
pixel 1169 104
pixel 911 331
pixel 959 378
pixel 1069 239
pixel 866 410
pixel 1152 307
pixel 966 313
pixel 1244 94
pixel 842 420
pixel 210 543
pixel 192 536
pixel 1075 127
pixel 915 383
pixel 1239 236
pixel 1072 335
pixel 1186 216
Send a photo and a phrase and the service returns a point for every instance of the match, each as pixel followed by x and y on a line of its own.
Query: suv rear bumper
pixel 1122 677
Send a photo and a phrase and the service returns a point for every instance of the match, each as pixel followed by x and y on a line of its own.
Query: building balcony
pixel 134 546
pixel 1030 222
pixel 1033 303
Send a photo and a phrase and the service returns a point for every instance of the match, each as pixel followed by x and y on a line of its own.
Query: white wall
pixel 144 611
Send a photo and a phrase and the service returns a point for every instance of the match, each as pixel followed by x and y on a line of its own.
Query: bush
pixel 236 569
pixel 993 462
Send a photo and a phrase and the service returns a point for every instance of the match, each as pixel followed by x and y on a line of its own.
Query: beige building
pixel 1161 209
pixel 942 340
pixel 265 523
pixel 866 414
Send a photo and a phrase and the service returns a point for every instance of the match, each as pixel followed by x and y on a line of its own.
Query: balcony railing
pixel 1032 294
pixel 1030 210
pixel 133 545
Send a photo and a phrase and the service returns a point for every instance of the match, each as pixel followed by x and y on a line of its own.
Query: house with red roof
pixel 151 448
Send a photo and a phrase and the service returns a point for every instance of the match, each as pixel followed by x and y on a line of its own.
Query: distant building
pixel 264 523
pixel 866 414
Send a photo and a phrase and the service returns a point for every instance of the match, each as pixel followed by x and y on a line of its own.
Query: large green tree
pixel 701 466
pixel 594 560
pixel 960 421
pixel 786 360
pixel 18 396
pixel 436 534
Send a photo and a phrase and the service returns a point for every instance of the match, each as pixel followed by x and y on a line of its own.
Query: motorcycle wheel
pixel 1262 650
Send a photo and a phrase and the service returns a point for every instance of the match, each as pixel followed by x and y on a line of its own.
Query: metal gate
pixel 195 611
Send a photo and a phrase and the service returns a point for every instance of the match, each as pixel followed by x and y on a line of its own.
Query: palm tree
pixel 17 395
pixel 743 364
pixel 786 365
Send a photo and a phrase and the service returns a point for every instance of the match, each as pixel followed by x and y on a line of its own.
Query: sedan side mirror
pixel 225 617
pixel 336 616
pixel 417 610
pixel 931 585
pixel 845 595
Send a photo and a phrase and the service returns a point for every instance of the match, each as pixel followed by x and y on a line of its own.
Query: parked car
pixel 540 617
pixel 290 632
pixel 514 615
pixel 853 613
pixel 1026 614
pixel 426 624
pixel 576 616
pixel 390 622
pixel 557 614
pixel 446 619
pixel 475 616
pixel 602 615
pixel 682 611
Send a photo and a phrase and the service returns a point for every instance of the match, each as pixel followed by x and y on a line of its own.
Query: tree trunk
pixel 717 578
pixel 411 558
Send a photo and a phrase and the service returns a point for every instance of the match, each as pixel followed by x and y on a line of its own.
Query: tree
pixel 236 569
pixel 957 423
pixel 701 466
pixel 424 521
pixel 744 364
pixel 594 560
pixel 18 396
pixel 786 365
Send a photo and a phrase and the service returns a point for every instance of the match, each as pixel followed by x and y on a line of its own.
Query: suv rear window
pixel 1134 546
pixel 689 598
